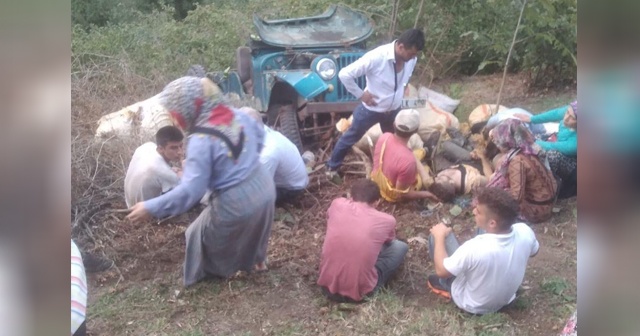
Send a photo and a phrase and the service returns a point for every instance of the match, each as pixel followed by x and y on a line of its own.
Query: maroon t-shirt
pixel 355 235
pixel 398 162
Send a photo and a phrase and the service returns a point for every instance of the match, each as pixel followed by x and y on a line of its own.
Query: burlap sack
pixel 483 113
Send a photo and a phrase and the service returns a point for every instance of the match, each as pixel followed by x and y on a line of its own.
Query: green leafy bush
pixel 463 37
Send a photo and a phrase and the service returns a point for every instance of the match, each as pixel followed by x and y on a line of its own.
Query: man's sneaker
pixel 433 282
pixel 333 176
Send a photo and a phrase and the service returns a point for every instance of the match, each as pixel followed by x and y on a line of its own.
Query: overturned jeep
pixel 289 71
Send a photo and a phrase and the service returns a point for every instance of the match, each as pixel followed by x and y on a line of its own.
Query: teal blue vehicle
pixel 290 70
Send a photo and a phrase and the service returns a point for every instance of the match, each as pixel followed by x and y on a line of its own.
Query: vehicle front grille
pixel 343 61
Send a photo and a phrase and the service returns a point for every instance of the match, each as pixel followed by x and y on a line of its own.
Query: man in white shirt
pixel 282 159
pixel 150 174
pixel 483 274
pixel 387 70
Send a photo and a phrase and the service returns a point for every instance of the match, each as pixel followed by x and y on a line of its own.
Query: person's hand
pixel 478 154
pixel 178 171
pixel 475 154
pixel 440 231
pixel 523 117
pixel 369 98
pixel 430 196
pixel 138 213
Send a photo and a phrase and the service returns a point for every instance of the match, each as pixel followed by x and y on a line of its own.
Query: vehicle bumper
pixel 327 107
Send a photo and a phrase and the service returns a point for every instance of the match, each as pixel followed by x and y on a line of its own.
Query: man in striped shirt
pixel 78 293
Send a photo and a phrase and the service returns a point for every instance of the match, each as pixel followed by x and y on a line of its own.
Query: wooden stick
pixel 355 172
pixel 415 24
pixel 506 63
pixel 365 160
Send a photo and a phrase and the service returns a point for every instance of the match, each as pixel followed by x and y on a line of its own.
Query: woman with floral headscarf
pixel 562 147
pixel 523 170
pixel 223 150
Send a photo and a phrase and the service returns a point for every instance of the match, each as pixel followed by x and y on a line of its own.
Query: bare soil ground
pixel 144 295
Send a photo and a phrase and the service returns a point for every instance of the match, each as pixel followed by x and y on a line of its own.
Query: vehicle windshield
pixel 337 27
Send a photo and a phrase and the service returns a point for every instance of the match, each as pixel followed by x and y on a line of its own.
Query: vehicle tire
pixel 197 70
pixel 288 121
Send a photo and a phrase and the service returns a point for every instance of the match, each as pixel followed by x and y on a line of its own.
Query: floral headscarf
pixel 194 101
pixel 513 135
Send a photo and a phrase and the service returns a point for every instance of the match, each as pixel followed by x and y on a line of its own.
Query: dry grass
pixel 98 166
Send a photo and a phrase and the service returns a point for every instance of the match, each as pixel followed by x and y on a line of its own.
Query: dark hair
pixel 412 38
pixel 364 190
pixel 446 192
pixel 168 134
pixel 500 203
pixel 491 150
pixel 403 134
pixel 476 128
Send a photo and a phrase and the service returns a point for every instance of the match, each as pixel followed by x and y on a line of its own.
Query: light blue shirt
pixel 283 161
pixel 567 138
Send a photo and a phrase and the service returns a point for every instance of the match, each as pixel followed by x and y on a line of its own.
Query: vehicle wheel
pixel 197 70
pixel 288 121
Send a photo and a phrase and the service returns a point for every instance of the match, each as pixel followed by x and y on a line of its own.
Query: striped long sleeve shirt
pixel 78 289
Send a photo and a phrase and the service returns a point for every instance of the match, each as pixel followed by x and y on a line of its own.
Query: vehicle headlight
pixel 326 68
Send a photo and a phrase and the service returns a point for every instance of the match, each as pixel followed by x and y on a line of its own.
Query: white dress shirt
pixel 378 67
pixel 283 161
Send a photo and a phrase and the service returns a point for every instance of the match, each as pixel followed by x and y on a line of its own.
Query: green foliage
pixel 156 43
pixel 558 287
pixel 463 37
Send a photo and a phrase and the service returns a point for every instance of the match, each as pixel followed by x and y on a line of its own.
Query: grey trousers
pixel 390 258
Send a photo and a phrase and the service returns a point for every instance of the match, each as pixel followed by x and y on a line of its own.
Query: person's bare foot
pixel 261 267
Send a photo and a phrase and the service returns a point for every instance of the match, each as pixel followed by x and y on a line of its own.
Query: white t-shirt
pixel 283 161
pixel 148 175
pixel 489 268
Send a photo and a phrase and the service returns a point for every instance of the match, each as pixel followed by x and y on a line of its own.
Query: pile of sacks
pixel 435 119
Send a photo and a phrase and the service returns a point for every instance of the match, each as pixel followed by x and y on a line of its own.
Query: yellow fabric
pixel 387 190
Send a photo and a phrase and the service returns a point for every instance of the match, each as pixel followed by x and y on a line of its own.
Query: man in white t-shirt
pixel 283 161
pixel 150 173
pixel 483 274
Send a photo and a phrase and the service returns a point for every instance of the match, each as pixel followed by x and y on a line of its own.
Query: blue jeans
pixel 451 244
pixel 363 119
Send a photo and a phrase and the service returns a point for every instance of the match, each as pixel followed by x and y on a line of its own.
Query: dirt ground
pixel 143 294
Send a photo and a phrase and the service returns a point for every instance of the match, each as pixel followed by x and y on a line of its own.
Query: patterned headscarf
pixel 513 135
pixel 194 101
pixel 574 106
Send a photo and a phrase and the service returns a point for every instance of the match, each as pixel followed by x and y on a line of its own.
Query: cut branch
pixel 506 63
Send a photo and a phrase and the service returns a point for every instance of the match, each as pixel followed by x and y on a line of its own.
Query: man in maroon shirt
pixel 360 252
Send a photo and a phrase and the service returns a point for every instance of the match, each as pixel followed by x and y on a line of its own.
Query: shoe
pixel 433 282
pixel 333 176
pixel 95 264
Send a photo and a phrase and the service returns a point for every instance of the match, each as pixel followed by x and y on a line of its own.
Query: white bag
pixel 440 100
pixel 145 117
pixel 369 139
